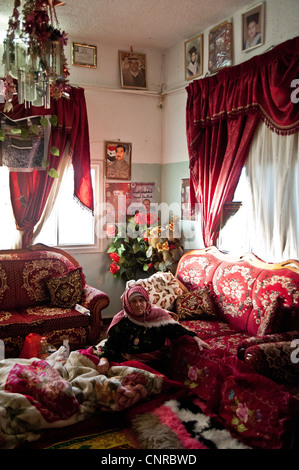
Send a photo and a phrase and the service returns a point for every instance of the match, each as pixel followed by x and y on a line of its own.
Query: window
pixel 69 226
pixel 234 233
pixel 8 233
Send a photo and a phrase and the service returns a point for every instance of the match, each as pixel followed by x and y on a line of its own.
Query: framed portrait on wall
pixel 132 68
pixel 84 55
pixel 193 57
pixel 252 22
pixel 118 160
pixel 221 46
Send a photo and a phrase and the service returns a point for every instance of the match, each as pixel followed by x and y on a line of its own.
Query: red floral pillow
pixel 196 305
pixel 66 289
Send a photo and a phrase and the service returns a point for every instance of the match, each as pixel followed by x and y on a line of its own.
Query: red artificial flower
pixel 150 218
pixel 114 257
pixel 171 246
pixel 63 39
pixel 114 268
pixel 150 265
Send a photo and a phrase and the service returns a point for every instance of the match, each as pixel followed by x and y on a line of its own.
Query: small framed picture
pixel 252 27
pixel 118 160
pixel 84 55
pixel 194 57
pixel 132 68
pixel 220 46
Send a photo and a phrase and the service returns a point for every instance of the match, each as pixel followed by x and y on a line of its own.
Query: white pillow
pixel 162 288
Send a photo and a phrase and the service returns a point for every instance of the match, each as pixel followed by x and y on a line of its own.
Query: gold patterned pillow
pixel 196 305
pixel 66 289
pixel 163 288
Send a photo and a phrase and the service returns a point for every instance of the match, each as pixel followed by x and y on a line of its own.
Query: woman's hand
pixel 103 366
pixel 201 343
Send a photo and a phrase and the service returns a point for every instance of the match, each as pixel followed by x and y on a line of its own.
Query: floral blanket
pixel 36 394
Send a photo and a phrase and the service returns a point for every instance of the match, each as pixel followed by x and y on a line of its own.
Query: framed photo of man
pixel 252 27
pixel 118 160
pixel 132 68
pixel 193 57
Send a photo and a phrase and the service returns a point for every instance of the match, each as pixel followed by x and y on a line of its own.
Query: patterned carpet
pixel 112 439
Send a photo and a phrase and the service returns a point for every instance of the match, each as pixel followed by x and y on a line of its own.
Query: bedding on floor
pixel 36 395
pixel 223 404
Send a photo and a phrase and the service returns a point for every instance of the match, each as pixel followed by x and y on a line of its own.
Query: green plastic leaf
pixel 45 163
pixel 16 131
pixel 54 151
pixel 53 120
pixel 149 252
pixel 34 129
pixel 44 122
pixel 25 133
pixel 53 173
pixel 2 135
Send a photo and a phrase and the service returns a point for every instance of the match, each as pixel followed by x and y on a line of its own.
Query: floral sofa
pixel 248 312
pixel 42 291
pixel 245 307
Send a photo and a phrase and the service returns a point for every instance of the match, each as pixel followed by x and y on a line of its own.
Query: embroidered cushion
pixel 163 289
pixel 269 320
pixel 65 290
pixel 196 305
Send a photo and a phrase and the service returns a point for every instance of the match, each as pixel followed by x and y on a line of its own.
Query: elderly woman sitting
pixel 140 332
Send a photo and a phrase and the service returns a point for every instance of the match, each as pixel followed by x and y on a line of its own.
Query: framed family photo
pixel 84 55
pixel 220 46
pixel 193 57
pixel 132 68
pixel 118 160
pixel 252 22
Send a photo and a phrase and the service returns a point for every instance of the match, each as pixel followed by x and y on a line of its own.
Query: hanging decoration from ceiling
pixel 34 54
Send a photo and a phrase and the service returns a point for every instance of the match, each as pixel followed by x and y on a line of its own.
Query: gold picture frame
pixel 193 57
pixel 84 55
pixel 132 67
pixel 118 160
pixel 252 22
pixel 221 46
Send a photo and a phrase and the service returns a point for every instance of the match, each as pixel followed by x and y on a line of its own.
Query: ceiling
pixel 137 23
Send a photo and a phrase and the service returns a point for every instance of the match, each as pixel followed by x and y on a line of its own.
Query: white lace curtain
pixel 273 171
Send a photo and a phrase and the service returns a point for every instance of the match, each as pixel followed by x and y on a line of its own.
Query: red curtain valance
pixel 73 125
pixel 261 84
pixel 222 114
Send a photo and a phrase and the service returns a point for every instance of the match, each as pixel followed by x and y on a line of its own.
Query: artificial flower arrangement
pixel 153 249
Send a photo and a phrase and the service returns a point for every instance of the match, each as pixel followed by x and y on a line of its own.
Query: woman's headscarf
pixel 153 316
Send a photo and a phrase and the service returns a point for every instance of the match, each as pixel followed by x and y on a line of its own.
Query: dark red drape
pixel 222 114
pixel 30 190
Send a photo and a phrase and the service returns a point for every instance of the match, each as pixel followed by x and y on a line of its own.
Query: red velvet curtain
pixel 222 114
pixel 30 190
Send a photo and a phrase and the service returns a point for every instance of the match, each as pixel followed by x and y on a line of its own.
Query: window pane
pixel 8 230
pixel 75 224
pixel 234 236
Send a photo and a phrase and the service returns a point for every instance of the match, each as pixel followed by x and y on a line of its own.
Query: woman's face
pixel 138 305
